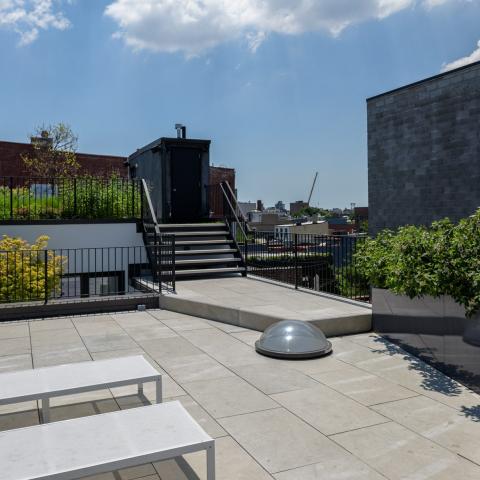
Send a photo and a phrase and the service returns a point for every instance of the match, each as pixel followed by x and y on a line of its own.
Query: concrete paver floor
pixel 369 411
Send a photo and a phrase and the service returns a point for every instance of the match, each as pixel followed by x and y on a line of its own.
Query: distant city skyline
pixel 279 89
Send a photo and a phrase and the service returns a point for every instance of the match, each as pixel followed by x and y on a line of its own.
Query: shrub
pixel 23 275
pixel 417 261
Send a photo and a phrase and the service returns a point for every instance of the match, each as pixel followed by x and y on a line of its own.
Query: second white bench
pixel 45 383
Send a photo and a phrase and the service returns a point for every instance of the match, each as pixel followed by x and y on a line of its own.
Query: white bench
pixel 45 383
pixel 77 448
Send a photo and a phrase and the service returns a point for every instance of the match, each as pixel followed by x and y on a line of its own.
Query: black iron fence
pixel 45 275
pixel 316 262
pixel 40 198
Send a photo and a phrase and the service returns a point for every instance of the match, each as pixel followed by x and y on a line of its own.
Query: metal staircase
pixel 193 250
pixel 204 249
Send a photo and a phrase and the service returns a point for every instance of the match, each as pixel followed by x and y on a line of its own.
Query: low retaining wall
pixel 433 329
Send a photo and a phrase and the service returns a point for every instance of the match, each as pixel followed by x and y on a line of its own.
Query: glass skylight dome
pixel 293 339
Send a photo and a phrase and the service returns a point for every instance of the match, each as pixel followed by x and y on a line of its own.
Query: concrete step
pixel 208 271
pixel 184 243
pixel 179 226
pixel 207 261
pixel 212 251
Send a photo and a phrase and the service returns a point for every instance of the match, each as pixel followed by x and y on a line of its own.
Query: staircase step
pixel 173 226
pixel 195 234
pixel 184 243
pixel 209 271
pixel 207 261
pixel 212 251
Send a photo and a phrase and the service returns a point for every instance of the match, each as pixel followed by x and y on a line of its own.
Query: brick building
pixel 11 163
pixel 424 150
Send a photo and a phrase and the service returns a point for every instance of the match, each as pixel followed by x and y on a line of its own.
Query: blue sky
pixel 278 85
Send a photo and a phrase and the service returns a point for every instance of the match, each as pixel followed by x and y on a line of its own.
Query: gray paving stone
pixel 14 330
pixel 14 346
pixel 364 387
pixel 401 454
pixel 51 324
pixel 280 441
pixel 224 397
pixel 190 368
pixel 440 423
pixel 274 378
pixel 327 410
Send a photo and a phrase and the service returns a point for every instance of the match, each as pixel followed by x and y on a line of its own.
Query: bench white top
pixel 100 443
pixel 46 382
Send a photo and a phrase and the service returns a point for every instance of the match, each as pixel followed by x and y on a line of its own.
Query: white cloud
pixel 473 57
pixel 193 26
pixel 29 17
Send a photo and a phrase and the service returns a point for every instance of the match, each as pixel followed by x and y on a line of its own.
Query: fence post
pixel 45 266
pixel 173 262
pixel 11 198
pixel 296 259
pixel 133 198
pixel 246 256
pixel 74 197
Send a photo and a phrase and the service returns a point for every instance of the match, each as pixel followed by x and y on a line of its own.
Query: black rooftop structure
pixel 177 172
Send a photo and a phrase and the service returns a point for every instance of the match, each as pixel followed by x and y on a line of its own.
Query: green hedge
pixel 443 259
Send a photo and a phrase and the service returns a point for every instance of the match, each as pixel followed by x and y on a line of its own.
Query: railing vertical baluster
pixel 295 239
pixel 46 275
pixel 11 198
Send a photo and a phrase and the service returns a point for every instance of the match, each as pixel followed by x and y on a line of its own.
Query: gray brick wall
pixel 424 151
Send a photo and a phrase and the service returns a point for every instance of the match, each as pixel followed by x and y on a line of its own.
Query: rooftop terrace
pixel 368 411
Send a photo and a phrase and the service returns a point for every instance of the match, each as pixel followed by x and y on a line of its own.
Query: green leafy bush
pixel 416 261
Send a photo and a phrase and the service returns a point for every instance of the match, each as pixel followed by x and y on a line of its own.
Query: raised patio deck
pixel 368 411
pixel 255 303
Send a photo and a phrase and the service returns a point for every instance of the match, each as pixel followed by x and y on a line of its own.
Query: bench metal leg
pixel 158 389
pixel 211 462
pixel 45 410
pixel 140 389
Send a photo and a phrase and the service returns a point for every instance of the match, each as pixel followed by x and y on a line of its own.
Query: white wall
pixel 85 235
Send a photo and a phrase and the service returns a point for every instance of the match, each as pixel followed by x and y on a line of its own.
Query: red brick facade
pixel 222 174
pixel 11 163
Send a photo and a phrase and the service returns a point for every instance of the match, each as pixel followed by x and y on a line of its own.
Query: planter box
pixel 433 329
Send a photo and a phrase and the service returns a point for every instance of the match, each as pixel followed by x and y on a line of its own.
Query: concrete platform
pixel 256 304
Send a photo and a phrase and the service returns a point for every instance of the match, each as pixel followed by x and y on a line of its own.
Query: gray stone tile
pixel 136 319
pixel 343 468
pixel 399 453
pixel 319 365
pixel 149 332
pixel 51 324
pixel 22 419
pixel 327 410
pixel 280 441
pixel 102 343
pixel 12 363
pixel 186 322
pixel 231 463
pixel 364 387
pixel 274 378
pixel 76 410
pixel 223 347
pixel 165 348
pixel 48 357
pixel 249 337
pixel 438 422
pixel 67 337
pixel 144 472
pixel 14 330
pixel 225 327
pixel 14 346
pixel 190 368
pixel 212 427
pixel 223 397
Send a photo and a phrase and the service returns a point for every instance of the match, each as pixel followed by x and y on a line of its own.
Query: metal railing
pixel 52 274
pixel 322 263
pixel 161 251
pixel 46 198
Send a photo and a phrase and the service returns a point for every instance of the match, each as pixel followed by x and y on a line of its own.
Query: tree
pixel 54 152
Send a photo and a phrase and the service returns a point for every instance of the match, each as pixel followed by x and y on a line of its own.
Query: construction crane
pixel 313 186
